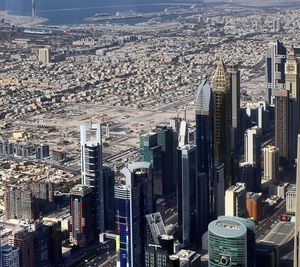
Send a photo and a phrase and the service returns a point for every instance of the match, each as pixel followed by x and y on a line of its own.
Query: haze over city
pixel 143 133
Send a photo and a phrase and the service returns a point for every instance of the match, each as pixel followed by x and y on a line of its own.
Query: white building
pixel 235 200
pixel 291 200
pixel 271 163
pixel 44 55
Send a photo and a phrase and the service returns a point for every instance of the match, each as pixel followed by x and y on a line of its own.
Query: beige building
pixel 271 163
pixel 235 200
pixel 44 55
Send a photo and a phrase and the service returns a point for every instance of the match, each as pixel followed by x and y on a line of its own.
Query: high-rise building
pixel 54 242
pixel 44 55
pixel 187 193
pixel 271 163
pixel 9 256
pixel 204 144
pixel 254 206
pixel 150 152
pixel 82 224
pixel 222 119
pixel 275 78
pixel 155 228
pixel 134 200
pixel 267 254
pixel 219 189
pixel 23 239
pixel 40 242
pixel 227 243
pixel 292 84
pixel 251 243
pixel 281 124
pixel 235 86
pixel 291 200
pixel 166 139
pixel 247 175
pixel 109 198
pixel 253 153
pixel 297 223
pixel 235 200
pixel 155 256
pixel 92 169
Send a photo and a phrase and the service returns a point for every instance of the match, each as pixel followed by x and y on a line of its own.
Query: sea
pixel 76 11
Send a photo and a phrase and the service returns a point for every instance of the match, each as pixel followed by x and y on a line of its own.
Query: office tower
pixel 92 169
pixel 23 240
pixel 9 256
pixel 235 200
pixel 251 243
pixel 40 243
pixel 297 223
pixel 281 124
pixel 150 152
pixel 81 201
pixel 277 25
pixel 291 200
pixel 247 175
pixel 227 243
pixel 204 139
pixel 54 242
pixel 253 153
pixel 254 206
pixel 275 78
pixel 155 228
pixel 259 115
pixel 44 55
pixel 165 138
pixel 155 256
pixel 133 195
pixel 235 88
pixel 267 254
pixel 219 194
pixel 187 193
pixel 109 198
pixel 222 119
pixel 292 85
pixel 271 163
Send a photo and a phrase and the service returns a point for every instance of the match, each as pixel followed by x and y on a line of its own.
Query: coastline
pixel 21 20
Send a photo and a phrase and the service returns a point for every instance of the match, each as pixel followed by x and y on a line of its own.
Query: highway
pixel 265 225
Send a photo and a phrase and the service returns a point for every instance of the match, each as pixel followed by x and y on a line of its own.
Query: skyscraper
pixel 92 169
pixel 235 86
pixel 271 163
pixel 134 200
pixel 227 243
pixel 275 78
pixel 297 223
pixel 235 200
pixel 222 119
pixel 293 86
pixel 187 193
pixel 204 143
pixel 150 152
pixel 253 154
pixel 81 202
pixel 219 190
pixel 281 124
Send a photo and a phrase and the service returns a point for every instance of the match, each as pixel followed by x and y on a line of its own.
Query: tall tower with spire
pixel 297 223
pixel 222 119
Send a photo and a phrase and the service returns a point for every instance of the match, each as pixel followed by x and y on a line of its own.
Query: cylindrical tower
pixel 227 243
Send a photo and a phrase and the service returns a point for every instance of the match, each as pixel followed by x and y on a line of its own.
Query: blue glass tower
pixel 134 200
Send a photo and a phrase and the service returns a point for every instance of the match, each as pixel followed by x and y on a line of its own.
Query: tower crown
pixel 220 80
pixel 203 98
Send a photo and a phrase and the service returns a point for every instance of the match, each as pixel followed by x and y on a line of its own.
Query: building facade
pixel 222 109
pixel 271 163
pixel 235 200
